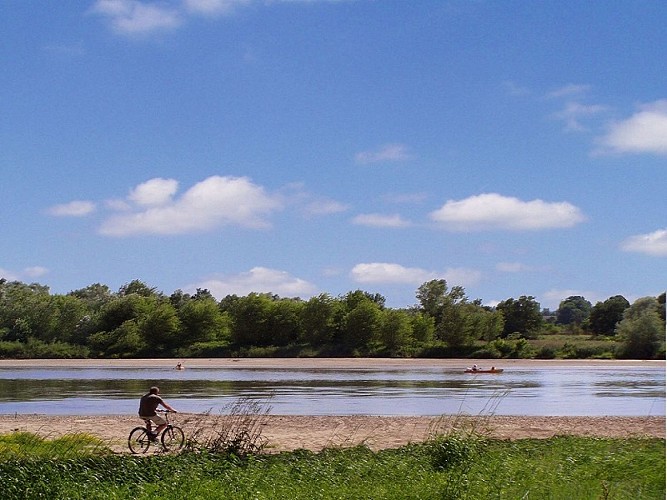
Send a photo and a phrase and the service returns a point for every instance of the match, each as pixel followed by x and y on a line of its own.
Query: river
pixel 419 391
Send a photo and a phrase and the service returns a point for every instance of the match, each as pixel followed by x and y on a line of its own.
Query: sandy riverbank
pixel 317 432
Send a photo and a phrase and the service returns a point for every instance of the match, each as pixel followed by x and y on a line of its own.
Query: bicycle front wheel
pixel 173 438
pixel 138 440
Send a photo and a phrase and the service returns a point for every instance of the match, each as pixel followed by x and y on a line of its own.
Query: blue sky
pixel 304 146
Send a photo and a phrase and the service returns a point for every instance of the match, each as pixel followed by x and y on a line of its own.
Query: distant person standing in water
pixel 147 406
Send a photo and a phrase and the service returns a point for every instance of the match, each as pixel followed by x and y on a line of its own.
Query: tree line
pixel 140 321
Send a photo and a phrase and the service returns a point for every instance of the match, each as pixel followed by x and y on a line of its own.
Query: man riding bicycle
pixel 147 406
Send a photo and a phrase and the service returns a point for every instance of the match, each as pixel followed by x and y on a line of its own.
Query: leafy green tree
pixel 432 297
pixel 250 317
pixel 94 296
pixel 641 330
pixel 284 321
pixel 159 326
pixel 360 325
pixel 318 320
pixel 68 312
pixel 606 315
pixel 521 315
pixel 119 310
pixel 123 342
pixel 202 321
pixel 26 311
pixel 574 310
pixel 423 327
pixel 395 331
pixel 138 287
pixel 179 298
pixel 485 324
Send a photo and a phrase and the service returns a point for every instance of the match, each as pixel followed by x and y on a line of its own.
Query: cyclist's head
pixel 155 390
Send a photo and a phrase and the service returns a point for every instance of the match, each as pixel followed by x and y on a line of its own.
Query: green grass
pixel 446 467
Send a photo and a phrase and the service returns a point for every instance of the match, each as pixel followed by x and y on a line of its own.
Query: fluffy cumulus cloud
pixel 133 17
pixel 212 7
pixel 258 280
pixel 654 243
pixel 154 192
pixel 384 154
pixel 494 211
pixel 380 220
pixel 213 202
pixel 383 272
pixel 72 209
pixel 643 132
pixel 146 17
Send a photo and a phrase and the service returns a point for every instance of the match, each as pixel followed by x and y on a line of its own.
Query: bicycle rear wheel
pixel 138 440
pixel 173 438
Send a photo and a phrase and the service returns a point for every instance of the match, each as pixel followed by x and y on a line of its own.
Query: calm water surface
pixel 406 391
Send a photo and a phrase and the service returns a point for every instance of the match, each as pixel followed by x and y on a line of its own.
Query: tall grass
pixel 445 467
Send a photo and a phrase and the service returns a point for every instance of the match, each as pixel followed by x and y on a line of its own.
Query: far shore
pixel 329 363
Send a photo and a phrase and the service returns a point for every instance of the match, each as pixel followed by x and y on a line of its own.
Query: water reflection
pixel 431 391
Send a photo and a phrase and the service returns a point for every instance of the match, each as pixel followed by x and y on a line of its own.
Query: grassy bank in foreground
pixel 446 467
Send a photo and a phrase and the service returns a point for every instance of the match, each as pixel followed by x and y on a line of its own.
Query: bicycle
pixel 171 439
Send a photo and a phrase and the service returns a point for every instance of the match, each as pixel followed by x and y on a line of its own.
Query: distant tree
pixel 250 318
pixel 641 330
pixel 202 321
pixel 26 311
pixel 395 331
pixel 284 321
pixel 574 310
pixel 139 288
pixel 318 320
pixel 352 299
pixel 94 296
pixel 179 298
pixel 447 308
pixel 159 326
pixel 68 312
pixel 423 327
pixel 432 297
pixel 521 315
pixel 605 315
pixel 360 324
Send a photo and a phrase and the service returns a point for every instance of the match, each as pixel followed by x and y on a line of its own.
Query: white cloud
pixel 325 207
pixel 654 243
pixel 8 275
pixel 258 280
pixel 380 220
pixel 213 202
pixel 72 209
pixel 386 153
pixel 643 132
pixel 383 272
pixel 212 7
pixel 573 113
pixel 512 267
pixel 494 211
pixel 35 271
pixel 133 17
pixel 28 272
pixel 154 192
pixel 569 90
